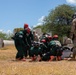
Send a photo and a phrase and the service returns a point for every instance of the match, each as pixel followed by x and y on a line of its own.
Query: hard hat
pixel 43 40
pixel 55 36
pixel 49 37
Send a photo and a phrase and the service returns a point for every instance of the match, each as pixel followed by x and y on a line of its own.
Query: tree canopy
pixel 59 20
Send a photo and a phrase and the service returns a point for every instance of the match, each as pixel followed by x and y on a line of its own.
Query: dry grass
pixel 9 67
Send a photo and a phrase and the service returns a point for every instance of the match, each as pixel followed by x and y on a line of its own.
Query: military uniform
pixel 22 41
pixel 55 48
pixel 44 46
pixel 73 30
pixel 35 51
pixel 28 37
pixel 29 40
pixel 20 44
pixel 73 36
pixel 52 47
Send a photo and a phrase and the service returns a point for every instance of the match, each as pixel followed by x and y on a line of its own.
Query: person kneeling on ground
pixel 35 52
pixel 55 48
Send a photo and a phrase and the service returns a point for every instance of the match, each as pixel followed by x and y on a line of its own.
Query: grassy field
pixel 10 67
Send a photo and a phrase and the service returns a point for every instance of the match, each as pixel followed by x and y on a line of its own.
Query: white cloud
pixel 40 21
pixel 71 1
pixel 1 30
pixel 7 32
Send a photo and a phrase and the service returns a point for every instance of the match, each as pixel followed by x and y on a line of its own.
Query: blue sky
pixel 14 13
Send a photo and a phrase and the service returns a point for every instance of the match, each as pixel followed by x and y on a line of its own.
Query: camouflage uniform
pixel 73 36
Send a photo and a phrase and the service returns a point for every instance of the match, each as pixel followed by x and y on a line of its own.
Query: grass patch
pixel 9 67
pixel 4 48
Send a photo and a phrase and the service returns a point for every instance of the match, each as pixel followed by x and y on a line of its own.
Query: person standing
pixel 73 35
pixel 20 45
pixel 23 40
pixel 28 37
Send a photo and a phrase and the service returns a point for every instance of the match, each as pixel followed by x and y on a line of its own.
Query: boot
pixel 52 58
pixel 18 59
pixel 58 58
pixel 38 58
pixel 34 58
pixel 23 59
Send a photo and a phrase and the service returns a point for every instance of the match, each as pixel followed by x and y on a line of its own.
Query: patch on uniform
pixel 20 36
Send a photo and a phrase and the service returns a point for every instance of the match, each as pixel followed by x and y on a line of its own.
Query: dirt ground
pixel 10 67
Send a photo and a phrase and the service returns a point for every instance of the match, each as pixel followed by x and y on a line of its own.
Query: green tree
pixel 2 35
pixel 61 15
pixel 59 20
pixel 17 30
